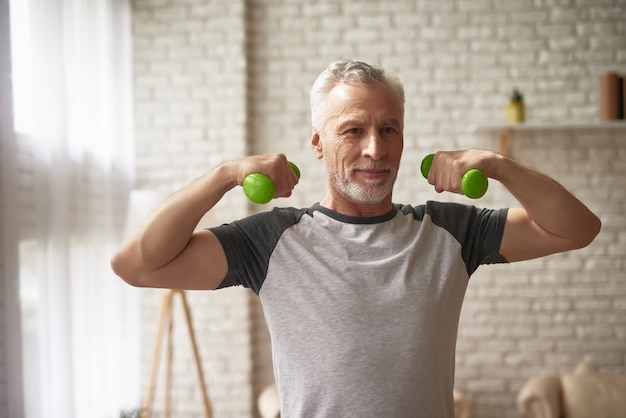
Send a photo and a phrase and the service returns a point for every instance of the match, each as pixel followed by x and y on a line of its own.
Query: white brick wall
pixel 191 114
pixel 215 80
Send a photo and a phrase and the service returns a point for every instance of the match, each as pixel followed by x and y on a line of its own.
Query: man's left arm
pixel 550 219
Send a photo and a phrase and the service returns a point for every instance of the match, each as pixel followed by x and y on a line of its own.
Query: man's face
pixel 361 142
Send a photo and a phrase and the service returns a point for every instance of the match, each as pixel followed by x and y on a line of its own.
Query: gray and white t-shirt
pixel 363 312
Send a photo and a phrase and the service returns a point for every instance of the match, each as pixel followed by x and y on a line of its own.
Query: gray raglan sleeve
pixel 249 243
pixel 478 230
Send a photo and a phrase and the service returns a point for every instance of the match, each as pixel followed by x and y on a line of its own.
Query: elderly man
pixel 362 295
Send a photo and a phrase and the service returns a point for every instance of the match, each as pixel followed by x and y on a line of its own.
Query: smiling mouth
pixel 372 173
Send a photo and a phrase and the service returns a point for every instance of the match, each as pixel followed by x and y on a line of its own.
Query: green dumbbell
pixel 474 183
pixel 260 188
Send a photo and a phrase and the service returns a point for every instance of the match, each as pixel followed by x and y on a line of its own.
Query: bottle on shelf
pixel 515 108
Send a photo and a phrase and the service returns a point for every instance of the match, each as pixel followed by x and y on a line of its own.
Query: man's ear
pixel 316 144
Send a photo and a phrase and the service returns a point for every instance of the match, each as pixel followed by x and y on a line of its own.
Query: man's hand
pixel 449 167
pixel 274 166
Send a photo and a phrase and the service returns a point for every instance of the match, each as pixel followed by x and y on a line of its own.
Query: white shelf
pixel 506 130
pixel 539 126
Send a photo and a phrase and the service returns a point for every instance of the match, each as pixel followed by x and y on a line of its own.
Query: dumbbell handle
pixel 474 183
pixel 260 188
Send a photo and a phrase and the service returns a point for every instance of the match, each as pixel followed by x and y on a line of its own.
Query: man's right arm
pixel 167 252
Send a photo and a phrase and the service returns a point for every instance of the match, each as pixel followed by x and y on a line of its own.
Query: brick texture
pixel 220 79
pixel 190 80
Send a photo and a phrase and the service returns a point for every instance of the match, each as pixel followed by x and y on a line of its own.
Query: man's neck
pixel 358 209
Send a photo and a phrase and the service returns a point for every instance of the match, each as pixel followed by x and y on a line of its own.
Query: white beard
pixel 372 192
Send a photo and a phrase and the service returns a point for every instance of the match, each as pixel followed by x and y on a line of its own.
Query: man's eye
pixel 389 130
pixel 353 131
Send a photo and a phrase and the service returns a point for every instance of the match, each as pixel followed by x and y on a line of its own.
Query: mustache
pixel 373 166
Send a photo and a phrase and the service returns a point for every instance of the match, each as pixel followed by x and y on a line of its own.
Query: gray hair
pixel 344 71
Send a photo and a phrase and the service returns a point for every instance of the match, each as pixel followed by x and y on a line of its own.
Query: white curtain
pixel 73 157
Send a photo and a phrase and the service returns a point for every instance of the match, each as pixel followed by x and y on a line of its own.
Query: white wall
pixel 190 114
pixel 218 79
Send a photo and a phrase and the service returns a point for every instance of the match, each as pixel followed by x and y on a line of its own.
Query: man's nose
pixel 374 146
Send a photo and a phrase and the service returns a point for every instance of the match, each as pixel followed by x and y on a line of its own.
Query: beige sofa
pixel 584 393
pixel 269 406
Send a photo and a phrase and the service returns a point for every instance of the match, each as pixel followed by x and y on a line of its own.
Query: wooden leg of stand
pixel 166 309
pixel 192 336
pixel 168 362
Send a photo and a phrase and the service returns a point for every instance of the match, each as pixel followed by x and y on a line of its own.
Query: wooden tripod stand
pixel 166 318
